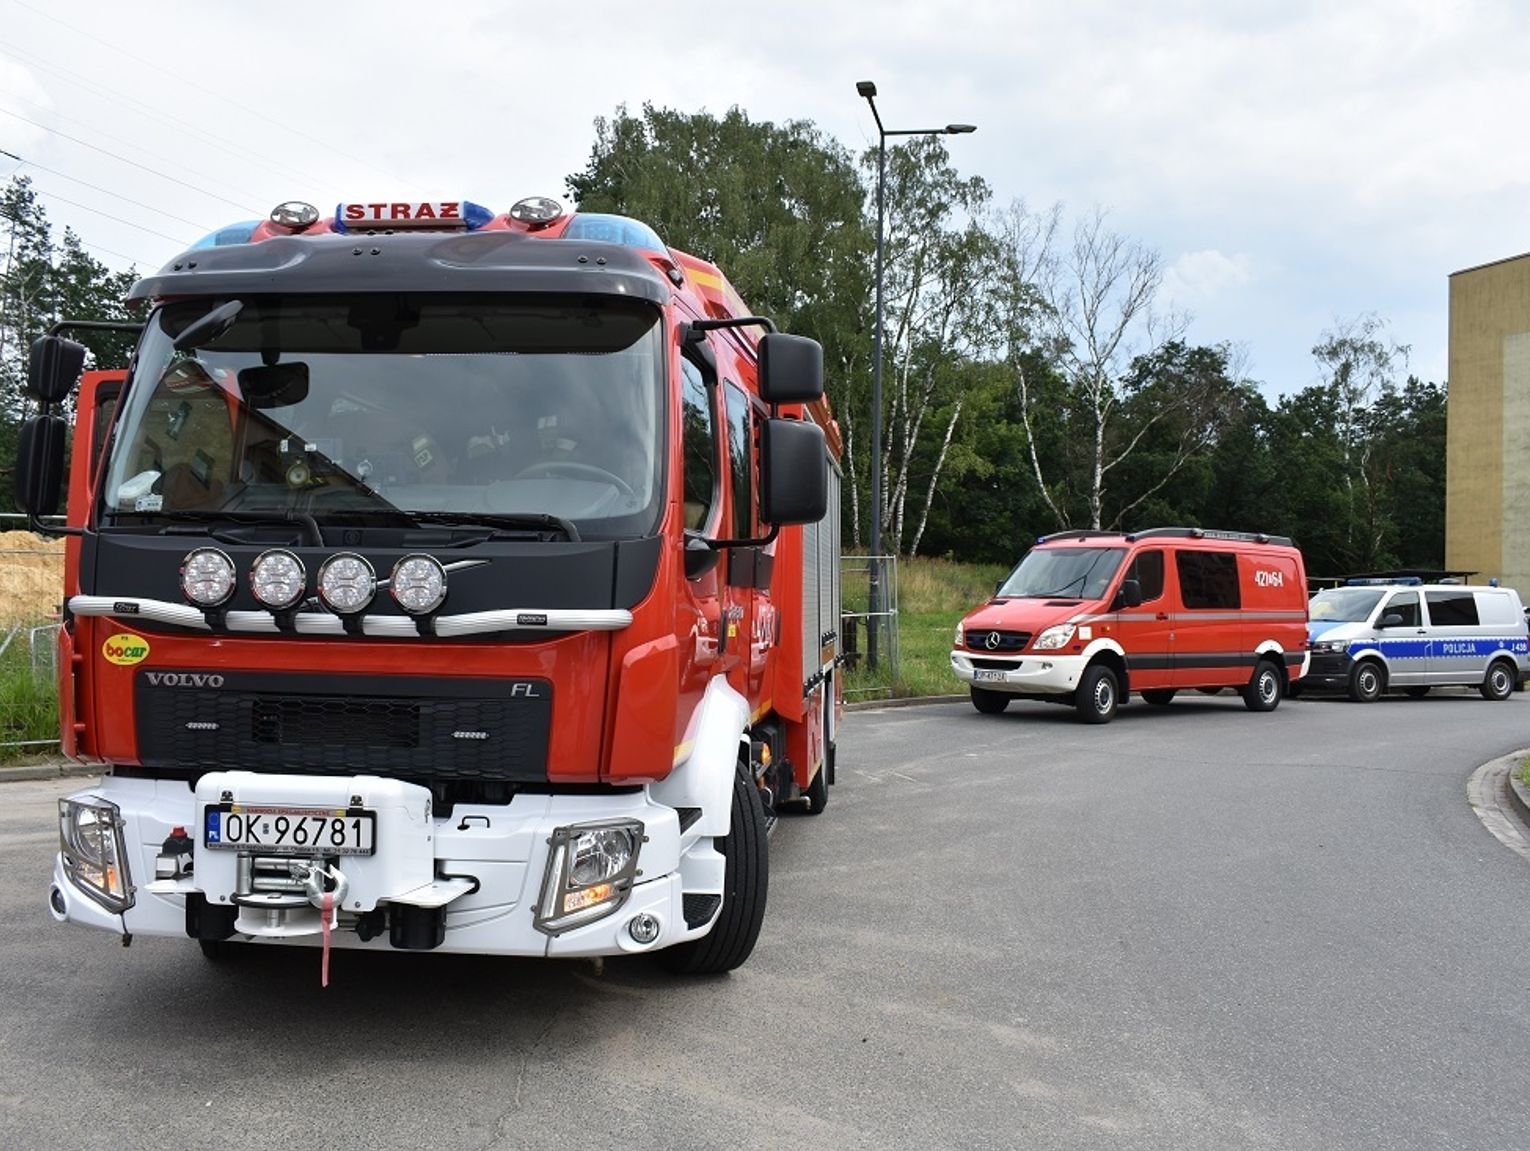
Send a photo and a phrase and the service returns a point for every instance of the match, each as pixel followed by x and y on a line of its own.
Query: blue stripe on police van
pixel 1428 648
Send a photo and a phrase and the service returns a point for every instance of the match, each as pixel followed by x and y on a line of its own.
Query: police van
pixel 1091 616
pixel 1374 636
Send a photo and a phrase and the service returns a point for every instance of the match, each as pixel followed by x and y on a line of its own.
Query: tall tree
pixel 777 207
pixel 939 276
pixel 42 282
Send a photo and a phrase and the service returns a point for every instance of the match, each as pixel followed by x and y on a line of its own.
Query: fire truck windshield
pixel 368 407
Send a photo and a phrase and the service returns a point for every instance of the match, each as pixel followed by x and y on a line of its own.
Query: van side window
pixel 698 432
pixel 1452 608
pixel 1208 579
pixel 1405 604
pixel 1147 570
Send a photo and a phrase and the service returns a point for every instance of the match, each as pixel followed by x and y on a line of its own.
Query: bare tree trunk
pixel 929 495
pixel 1030 444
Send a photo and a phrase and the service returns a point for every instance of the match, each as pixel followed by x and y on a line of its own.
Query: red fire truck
pixel 441 579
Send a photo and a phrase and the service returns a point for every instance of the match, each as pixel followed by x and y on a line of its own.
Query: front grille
pixel 410 727
pixel 996 639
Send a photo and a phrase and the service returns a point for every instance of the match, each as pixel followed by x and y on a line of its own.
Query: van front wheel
pixel 1365 682
pixel 1499 683
pixel 1098 695
pixel 1265 689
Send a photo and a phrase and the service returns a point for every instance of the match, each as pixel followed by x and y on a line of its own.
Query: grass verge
pixel 28 702
pixel 932 597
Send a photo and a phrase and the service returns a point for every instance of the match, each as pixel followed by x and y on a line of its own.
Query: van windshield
pixel 1344 604
pixel 1071 573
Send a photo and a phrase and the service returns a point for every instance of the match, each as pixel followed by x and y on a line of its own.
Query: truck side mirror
pixel 40 465
pixel 791 369
pixel 53 367
pixel 1129 595
pixel 794 472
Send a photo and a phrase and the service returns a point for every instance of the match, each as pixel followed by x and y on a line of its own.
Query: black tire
pixel 1265 688
pixel 1098 695
pixel 220 950
pixel 1209 690
pixel 1158 696
pixel 1415 692
pixel 1366 682
pixel 1294 689
pixel 989 702
pixel 746 878
pixel 1500 681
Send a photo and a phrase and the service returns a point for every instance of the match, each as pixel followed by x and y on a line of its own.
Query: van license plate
pixel 988 675
pixel 290 830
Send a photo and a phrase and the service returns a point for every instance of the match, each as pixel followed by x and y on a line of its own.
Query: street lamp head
pixel 866 88
pixel 960 129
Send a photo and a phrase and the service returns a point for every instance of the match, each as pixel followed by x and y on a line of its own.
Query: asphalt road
pixel 1193 928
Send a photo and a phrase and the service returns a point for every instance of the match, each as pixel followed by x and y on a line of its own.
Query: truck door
pixel 1454 654
pixel 1404 642
pixel 1146 632
pixel 1208 644
pixel 749 617
pixel 702 505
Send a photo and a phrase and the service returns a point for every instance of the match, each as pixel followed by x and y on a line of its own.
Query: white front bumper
pixel 503 847
pixel 1045 675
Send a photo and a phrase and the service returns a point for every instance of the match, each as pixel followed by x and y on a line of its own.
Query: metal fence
pixel 857 626
pixel 41 642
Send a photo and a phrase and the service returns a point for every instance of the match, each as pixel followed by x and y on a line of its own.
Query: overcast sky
pixel 1296 164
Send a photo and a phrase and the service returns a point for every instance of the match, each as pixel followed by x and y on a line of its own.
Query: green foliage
pixel 28 702
pixel 45 281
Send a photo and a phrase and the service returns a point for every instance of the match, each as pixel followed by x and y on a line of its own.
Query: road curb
pixel 1497 800
pixel 905 701
pixel 48 769
pixel 1519 794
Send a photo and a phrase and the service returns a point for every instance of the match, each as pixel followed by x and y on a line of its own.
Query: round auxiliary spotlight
pixel 538 210
pixel 207 577
pixel 278 579
pixel 347 583
pixel 294 214
pixel 418 583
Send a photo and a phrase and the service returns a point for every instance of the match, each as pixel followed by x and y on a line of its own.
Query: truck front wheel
pixel 746 877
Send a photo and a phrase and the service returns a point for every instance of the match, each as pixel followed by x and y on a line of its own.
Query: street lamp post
pixel 868 89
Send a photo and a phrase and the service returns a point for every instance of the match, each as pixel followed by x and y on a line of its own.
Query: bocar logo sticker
pixel 124 649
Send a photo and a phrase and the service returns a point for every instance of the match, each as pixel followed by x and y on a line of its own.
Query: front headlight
pixel 956 640
pixel 590 869
pixel 95 856
pixel 1055 637
pixel 1330 647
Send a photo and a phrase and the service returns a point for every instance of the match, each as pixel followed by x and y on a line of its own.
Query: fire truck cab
pixel 441 579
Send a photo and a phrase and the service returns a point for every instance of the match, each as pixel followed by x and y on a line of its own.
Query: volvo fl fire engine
pixel 441 579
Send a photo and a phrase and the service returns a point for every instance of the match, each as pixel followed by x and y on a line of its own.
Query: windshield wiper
pixel 283 516
pixel 540 521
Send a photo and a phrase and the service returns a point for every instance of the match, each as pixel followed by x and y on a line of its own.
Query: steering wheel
pixel 574 470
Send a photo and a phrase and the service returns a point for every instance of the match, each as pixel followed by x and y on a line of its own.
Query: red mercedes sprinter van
pixel 1089 616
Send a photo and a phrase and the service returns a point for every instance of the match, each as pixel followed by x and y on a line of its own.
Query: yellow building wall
pixel 1487 438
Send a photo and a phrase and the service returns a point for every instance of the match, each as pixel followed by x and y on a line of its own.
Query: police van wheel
pixel 1365 682
pixel 1499 683
pixel 746 878
pixel 989 702
pixel 1098 695
pixel 1265 689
